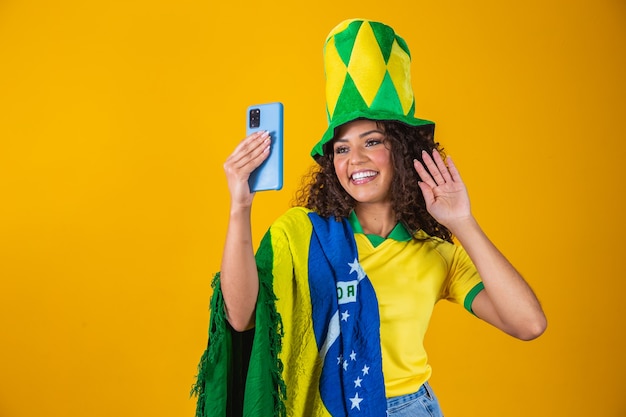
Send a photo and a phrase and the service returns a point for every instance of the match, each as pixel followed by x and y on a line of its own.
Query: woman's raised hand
pixel 443 189
pixel 247 156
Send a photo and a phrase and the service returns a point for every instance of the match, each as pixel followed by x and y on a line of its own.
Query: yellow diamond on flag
pixel 399 71
pixel 367 65
pixel 335 75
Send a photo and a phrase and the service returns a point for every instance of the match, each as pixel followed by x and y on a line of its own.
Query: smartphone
pixel 268 116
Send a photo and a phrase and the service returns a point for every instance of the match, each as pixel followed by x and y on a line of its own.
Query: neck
pixel 376 220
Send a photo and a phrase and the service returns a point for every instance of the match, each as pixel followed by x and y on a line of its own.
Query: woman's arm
pixel 239 279
pixel 507 301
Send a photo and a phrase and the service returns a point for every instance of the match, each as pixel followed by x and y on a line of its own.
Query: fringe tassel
pixel 216 334
pixel 275 338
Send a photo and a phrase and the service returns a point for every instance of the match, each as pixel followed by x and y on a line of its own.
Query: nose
pixel 357 155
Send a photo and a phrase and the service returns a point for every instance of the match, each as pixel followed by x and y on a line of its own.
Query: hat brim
pixel 318 149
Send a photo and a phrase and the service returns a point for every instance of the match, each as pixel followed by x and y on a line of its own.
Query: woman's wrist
pixel 463 226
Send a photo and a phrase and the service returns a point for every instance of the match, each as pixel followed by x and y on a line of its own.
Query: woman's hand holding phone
pixel 247 156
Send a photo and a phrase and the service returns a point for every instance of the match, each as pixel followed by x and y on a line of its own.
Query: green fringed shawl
pixel 222 370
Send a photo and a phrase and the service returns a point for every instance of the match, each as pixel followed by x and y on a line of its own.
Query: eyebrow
pixel 369 132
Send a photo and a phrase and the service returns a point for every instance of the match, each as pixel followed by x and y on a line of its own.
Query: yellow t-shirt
pixel 409 277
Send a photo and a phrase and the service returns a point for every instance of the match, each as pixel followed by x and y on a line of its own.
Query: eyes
pixel 343 148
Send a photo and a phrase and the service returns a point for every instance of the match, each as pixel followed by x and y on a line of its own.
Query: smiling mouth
pixel 363 175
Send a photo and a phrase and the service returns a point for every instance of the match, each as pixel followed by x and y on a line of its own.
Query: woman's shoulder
pixel 446 250
pixel 434 242
pixel 295 216
pixel 298 218
pixel 296 212
pixel 422 236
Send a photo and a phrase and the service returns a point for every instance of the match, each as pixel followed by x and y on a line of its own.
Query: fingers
pixel 250 153
pixel 436 167
pixel 427 193
pixel 250 148
pixel 424 174
pixel 434 170
pixel 247 156
pixel 454 172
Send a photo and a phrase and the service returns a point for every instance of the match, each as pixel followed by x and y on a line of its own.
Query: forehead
pixel 356 128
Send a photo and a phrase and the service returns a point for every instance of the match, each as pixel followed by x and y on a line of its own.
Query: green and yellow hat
pixel 368 75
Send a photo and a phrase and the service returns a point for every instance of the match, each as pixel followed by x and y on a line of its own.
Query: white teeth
pixel 364 174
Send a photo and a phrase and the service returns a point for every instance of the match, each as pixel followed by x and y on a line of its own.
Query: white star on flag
pixel 353 356
pixel 356 266
pixel 366 370
pixel 356 401
pixel 345 365
pixel 357 382
pixel 345 315
pixel 339 359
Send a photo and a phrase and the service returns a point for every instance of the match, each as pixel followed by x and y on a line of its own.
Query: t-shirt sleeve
pixel 463 283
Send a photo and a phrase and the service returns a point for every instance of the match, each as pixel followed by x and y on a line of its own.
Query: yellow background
pixel 116 117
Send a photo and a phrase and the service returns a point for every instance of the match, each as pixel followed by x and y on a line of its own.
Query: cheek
pixel 340 172
pixel 383 160
pixel 339 165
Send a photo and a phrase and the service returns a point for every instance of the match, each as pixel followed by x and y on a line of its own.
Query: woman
pixel 341 290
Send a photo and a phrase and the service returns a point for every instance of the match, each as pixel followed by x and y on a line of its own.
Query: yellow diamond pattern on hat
pixel 333 65
pixel 367 64
pixel 398 67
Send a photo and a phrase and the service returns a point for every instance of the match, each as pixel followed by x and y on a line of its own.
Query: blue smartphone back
pixel 269 116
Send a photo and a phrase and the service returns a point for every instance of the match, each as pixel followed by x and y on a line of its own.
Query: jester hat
pixel 368 75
